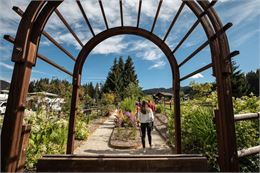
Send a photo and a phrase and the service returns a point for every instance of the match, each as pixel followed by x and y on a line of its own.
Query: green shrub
pixel 48 135
pixel 81 130
pixel 1 121
pixel 106 110
pixel 107 98
pixel 199 134
pixel 159 108
pixel 128 104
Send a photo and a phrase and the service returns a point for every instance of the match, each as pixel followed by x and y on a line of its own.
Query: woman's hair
pixel 143 108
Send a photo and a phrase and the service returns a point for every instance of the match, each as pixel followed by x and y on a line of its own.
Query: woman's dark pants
pixel 145 126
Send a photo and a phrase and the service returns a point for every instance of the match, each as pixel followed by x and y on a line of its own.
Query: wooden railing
pixel 252 150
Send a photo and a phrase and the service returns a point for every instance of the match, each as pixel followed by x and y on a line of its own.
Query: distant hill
pixel 185 89
pixel 4 85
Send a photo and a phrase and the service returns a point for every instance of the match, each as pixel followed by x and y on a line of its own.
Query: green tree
pixel 91 90
pixel 132 90
pixel 129 74
pixel 120 82
pixel 238 81
pixel 97 91
pixel 109 85
pixel 253 82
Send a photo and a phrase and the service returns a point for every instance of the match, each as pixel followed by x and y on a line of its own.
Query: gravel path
pixel 97 143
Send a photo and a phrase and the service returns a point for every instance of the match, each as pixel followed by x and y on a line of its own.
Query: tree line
pixel 121 81
pixel 244 83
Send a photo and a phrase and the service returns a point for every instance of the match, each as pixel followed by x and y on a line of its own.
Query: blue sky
pixel 151 65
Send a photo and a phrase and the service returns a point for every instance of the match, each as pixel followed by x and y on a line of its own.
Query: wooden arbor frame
pixel 25 54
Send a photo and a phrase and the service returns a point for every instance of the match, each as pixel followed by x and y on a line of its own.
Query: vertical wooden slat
pixel 121 12
pixel 47 35
pixel 139 13
pixel 103 13
pixel 177 116
pixel 85 17
pixel 24 141
pixel 68 27
pixel 195 24
pixel 206 43
pixel 173 21
pixel 156 15
pixel 73 112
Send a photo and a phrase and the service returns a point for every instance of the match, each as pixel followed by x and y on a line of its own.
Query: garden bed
pixel 125 138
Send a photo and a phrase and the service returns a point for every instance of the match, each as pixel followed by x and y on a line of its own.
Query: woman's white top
pixel 146 118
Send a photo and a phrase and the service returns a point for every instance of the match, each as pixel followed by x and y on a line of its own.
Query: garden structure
pixel 25 55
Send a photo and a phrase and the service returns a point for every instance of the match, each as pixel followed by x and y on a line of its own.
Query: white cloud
pixel 196 76
pixel 7 66
pixel 5 79
pixel 11 67
pixel 244 12
pixel 158 65
pixel 9 20
pixel 111 45
pixel 243 38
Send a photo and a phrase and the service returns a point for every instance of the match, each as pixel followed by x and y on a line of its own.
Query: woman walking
pixel 145 117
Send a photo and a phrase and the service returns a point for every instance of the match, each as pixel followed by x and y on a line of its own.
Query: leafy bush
pixel 106 110
pixel 128 104
pixel 126 119
pixel 48 135
pixel 159 108
pixel 199 131
pixel 1 121
pixel 107 98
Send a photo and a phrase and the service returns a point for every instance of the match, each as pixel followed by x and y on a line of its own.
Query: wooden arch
pixel 25 53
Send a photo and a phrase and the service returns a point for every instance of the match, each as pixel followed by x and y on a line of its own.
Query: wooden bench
pixel 122 163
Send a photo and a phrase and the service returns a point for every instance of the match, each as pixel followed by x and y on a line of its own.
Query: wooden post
pixel 73 111
pixel 177 116
pixel 22 148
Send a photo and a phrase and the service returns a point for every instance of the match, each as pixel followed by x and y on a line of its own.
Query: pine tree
pixel 238 82
pixel 129 74
pixel 112 79
pixel 120 82
pixel 253 82
pixel 120 76
pixel 91 90
pixel 97 91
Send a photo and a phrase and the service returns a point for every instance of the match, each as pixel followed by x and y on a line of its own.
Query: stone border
pixel 111 145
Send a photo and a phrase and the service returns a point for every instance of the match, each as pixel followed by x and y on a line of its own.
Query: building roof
pixel 164 94
pixel 43 93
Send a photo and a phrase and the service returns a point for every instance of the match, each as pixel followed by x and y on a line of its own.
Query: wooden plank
pixel 249 151
pixel 247 116
pixel 120 156
pixel 22 148
pixel 136 163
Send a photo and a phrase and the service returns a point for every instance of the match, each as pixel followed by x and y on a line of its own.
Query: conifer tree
pixel 91 90
pixel 112 79
pixel 238 82
pixel 120 82
pixel 129 74
pixel 253 82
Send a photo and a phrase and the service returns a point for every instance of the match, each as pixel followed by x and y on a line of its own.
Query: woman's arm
pixel 151 116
